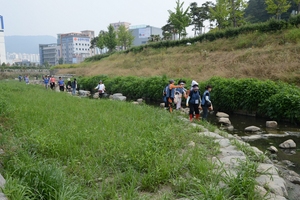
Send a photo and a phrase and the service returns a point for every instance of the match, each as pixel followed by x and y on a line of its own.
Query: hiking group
pixel 70 86
pixel 173 94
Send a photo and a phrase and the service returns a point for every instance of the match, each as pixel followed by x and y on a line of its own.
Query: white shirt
pixel 100 87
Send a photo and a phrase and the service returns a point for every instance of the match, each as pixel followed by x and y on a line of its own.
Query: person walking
pixel 74 86
pixel 46 81
pixel 101 88
pixel 180 92
pixel 27 79
pixel 194 102
pixel 170 94
pixel 69 85
pixel 61 84
pixel 206 102
pixel 52 82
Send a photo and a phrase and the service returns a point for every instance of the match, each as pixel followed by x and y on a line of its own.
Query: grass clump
pixel 61 147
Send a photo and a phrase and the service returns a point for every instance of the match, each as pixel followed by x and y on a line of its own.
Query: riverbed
pixel 240 122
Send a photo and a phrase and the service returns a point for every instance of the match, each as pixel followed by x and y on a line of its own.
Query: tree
pixel 110 39
pixel 100 40
pixel 236 12
pixel 180 19
pixel 125 38
pixel 298 5
pixel 220 13
pixel 60 61
pixel 168 31
pixel 154 38
pixel 277 7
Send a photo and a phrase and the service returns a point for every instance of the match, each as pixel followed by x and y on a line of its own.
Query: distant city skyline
pixel 51 17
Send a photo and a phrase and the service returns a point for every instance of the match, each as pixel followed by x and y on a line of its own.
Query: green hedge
pixel 266 98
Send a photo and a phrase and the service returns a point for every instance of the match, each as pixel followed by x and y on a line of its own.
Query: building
pixel 142 33
pixel 118 24
pixel 2 42
pixel 49 54
pixel 75 47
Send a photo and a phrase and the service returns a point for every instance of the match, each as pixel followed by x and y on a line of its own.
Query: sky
pixel 50 17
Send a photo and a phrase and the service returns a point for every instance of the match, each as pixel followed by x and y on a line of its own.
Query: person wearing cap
pixel 61 84
pixel 194 102
pixel 101 89
pixel 206 102
pixel 69 85
pixel 179 92
pixel 170 94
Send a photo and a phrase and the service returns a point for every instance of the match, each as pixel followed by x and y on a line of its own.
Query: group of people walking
pixel 174 93
pixel 70 86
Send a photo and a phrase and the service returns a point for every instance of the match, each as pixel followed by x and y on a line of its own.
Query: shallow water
pixel 240 122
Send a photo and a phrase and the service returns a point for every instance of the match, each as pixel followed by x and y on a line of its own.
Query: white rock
pixel 224 120
pixel 222 114
pixel 288 144
pixel 273 149
pixel 252 129
pixel 271 124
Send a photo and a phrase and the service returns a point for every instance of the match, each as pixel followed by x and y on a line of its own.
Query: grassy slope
pixel 272 56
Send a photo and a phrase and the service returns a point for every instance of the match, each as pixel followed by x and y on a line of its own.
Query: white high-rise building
pixel 2 42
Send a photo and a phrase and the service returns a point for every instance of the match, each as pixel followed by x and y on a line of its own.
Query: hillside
pixel 272 56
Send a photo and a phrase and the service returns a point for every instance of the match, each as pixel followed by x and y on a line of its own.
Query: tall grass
pixel 61 147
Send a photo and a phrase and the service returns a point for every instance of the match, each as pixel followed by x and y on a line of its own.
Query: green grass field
pixel 61 147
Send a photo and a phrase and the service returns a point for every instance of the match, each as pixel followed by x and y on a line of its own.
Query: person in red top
pixel 170 94
pixel 52 82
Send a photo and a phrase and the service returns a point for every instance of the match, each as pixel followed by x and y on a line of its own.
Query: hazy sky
pixel 49 17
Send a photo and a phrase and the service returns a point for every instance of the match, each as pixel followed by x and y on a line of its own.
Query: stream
pixel 240 122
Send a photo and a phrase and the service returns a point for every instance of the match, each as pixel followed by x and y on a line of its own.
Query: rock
pixel 2 181
pixel 162 105
pixel 275 183
pixel 252 129
pixel 230 128
pixel 288 144
pixel 251 138
pixel 192 144
pixel 135 103
pixel 273 149
pixel 271 124
pixel 118 96
pixel 222 114
pixel 140 100
pixel 288 163
pixel 84 93
pixel 224 120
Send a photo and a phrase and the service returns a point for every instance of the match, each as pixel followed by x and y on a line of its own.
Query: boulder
pixel 140 100
pixel 135 103
pixel 273 149
pixel 288 144
pixel 252 129
pixel 119 97
pixel 222 114
pixel 224 120
pixel 271 124
pixel 84 93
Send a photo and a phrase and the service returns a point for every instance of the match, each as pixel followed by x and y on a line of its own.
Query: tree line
pixel 220 15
